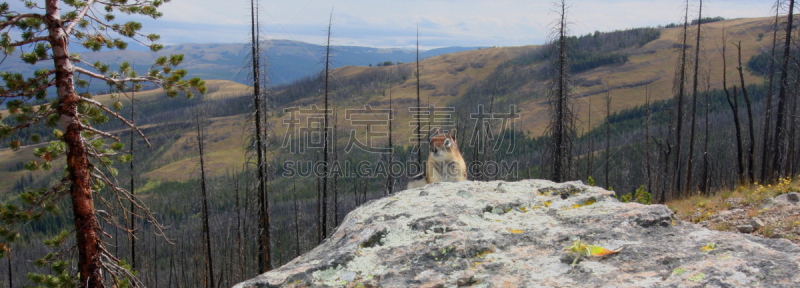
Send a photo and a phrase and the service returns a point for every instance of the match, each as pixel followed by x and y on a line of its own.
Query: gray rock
pixel 756 223
pixel 766 203
pixel 776 236
pixel 745 228
pixel 423 193
pixel 348 276
pixel 448 240
pixel 725 213
pixel 793 197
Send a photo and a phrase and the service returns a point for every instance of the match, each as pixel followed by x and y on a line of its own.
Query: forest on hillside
pixel 218 229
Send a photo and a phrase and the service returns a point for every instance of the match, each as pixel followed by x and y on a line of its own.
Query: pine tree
pixel 45 34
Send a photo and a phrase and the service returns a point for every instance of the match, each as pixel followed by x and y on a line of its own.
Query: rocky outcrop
pixel 499 234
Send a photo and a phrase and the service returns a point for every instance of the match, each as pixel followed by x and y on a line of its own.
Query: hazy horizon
pixel 393 24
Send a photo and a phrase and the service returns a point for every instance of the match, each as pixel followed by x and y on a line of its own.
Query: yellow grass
pixel 711 205
pixel 225 144
pixel 24 154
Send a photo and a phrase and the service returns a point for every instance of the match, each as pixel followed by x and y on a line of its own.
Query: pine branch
pixel 80 15
pixel 116 115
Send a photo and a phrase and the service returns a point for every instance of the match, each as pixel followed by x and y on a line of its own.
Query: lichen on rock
pixel 513 234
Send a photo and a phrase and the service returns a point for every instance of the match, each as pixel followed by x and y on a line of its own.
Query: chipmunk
pixel 445 163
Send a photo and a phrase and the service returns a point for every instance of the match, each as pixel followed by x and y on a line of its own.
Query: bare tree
pixel 704 183
pixel 779 161
pixel 389 178
pixel 132 220
pixel 608 137
pixel 679 106
pixel 199 119
pixel 590 146
pixel 326 138
pixel 419 106
pixel 734 104
pixel 264 259
pixel 647 139
pixel 561 125
pixel 751 148
pixel 766 169
pixel 689 160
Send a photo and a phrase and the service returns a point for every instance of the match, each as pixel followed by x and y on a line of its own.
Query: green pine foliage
pixel 33 115
pixel 640 196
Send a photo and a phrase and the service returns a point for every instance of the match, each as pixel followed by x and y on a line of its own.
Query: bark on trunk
pixel 86 226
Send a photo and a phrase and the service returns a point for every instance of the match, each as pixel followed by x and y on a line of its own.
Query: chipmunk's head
pixel 443 145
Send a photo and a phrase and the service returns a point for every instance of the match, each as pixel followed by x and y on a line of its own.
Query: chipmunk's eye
pixel 447 143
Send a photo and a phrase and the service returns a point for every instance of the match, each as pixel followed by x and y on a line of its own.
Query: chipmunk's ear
pixel 452 133
pixel 435 131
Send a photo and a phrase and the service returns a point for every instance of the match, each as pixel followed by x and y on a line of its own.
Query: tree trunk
pixel 264 262
pixel 751 148
pixel 10 275
pixel 590 145
pixel 679 119
pixel 647 141
pixel 766 169
pixel 559 125
pixel 419 128
pixel 389 178
pixel 690 157
pixel 705 148
pixel 204 198
pixel 608 138
pixel 326 140
pixel 791 167
pixel 86 226
pixel 778 161
pixel 132 227
pixel 296 221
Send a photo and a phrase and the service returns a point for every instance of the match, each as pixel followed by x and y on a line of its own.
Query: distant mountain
pixel 288 60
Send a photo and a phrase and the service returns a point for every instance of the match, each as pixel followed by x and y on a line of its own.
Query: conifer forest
pixel 209 164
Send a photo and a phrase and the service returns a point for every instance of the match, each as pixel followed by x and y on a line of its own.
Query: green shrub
pixel 640 196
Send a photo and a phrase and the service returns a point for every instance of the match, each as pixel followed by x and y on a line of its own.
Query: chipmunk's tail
pixel 417 181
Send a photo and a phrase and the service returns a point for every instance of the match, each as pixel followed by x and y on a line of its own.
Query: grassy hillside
pixel 446 80
pixel 288 60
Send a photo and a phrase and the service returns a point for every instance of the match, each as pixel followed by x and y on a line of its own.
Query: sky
pixel 442 23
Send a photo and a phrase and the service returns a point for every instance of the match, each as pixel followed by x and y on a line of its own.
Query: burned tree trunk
pixel 264 259
pixel 679 106
pixel 204 199
pixel 734 104
pixel 779 159
pixel 766 169
pixel 561 124
pixel 751 148
pixel 326 139
pixel 690 157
